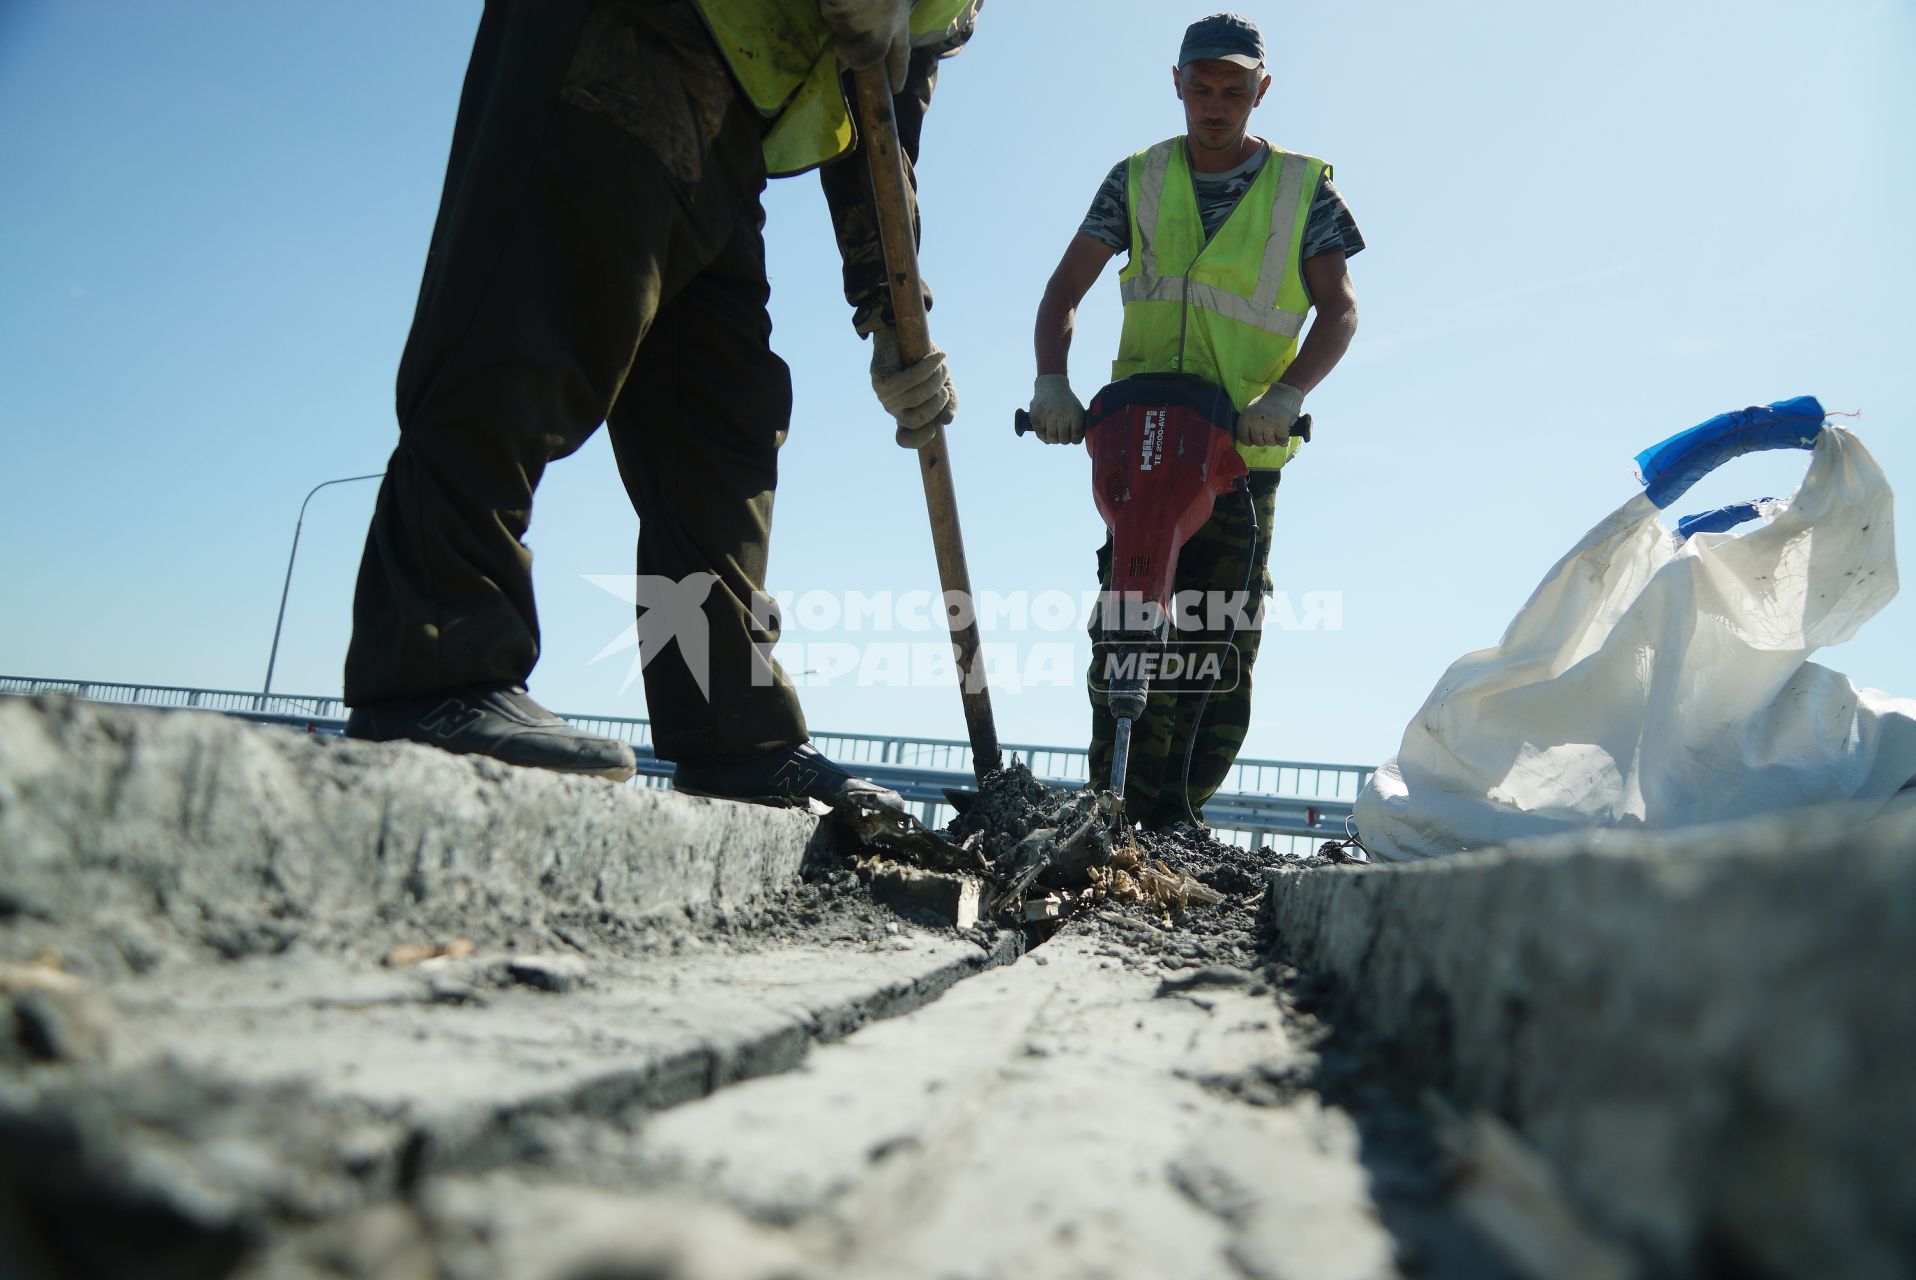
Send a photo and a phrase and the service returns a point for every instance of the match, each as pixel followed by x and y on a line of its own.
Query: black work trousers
pixel 598 257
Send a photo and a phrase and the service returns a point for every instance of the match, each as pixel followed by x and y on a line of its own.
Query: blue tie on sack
pixel 1670 468
pixel 1722 519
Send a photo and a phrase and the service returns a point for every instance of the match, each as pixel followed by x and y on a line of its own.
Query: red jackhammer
pixel 1161 453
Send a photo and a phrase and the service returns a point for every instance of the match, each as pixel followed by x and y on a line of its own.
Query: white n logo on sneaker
pixel 794 771
pixel 446 720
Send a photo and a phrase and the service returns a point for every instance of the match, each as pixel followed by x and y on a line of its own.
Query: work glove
pixel 1268 419
pixel 919 396
pixel 872 33
pixel 1056 414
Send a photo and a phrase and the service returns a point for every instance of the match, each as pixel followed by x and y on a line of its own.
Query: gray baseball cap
pixel 1228 37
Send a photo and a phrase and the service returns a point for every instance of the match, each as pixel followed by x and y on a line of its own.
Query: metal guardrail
pixel 1294 801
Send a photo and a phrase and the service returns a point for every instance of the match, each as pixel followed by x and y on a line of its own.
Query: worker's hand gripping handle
pixel 1021 423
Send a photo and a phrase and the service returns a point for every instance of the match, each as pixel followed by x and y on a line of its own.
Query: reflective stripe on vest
pixel 1229 308
pixel 780 52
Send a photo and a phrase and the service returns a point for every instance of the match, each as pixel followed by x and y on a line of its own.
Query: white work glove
pixel 1056 414
pixel 871 33
pixel 1268 419
pixel 920 397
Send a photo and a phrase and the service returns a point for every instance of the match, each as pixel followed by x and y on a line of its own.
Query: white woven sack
pixel 1658 682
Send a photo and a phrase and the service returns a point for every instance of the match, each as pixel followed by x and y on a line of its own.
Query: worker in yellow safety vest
pixel 1232 243
pixel 598 258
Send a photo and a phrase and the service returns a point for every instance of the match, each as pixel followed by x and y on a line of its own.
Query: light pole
pixel 273 656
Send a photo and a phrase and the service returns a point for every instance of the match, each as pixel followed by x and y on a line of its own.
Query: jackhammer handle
pixel 1021 423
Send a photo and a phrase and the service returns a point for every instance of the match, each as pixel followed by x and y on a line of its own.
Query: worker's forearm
pixel 1056 320
pixel 1073 277
pixel 1329 338
pixel 854 210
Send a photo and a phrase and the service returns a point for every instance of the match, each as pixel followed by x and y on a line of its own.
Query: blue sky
pixel 1590 226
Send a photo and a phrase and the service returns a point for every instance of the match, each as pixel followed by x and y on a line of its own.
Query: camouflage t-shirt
pixel 1329 225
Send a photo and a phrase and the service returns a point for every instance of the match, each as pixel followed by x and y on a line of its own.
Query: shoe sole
pixel 611 773
pixel 620 773
pixel 817 807
pixel 775 802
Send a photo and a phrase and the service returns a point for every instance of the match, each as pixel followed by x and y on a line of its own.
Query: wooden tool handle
pixel 886 160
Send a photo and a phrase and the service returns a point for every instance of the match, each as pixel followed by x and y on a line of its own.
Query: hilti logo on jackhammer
pixel 1153 439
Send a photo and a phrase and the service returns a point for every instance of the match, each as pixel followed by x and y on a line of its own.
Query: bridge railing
pixel 1292 804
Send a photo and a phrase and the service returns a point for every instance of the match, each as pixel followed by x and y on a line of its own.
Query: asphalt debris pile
pixel 1234 869
pixel 1182 898
pixel 1219 931
pixel 889 833
pixel 1050 853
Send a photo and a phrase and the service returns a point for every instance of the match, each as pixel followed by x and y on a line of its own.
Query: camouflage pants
pixel 1215 560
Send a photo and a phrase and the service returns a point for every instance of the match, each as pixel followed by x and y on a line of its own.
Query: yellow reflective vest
pixel 1228 309
pixel 781 53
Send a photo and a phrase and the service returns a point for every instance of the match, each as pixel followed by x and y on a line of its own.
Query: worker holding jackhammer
pixel 598 257
pixel 1232 243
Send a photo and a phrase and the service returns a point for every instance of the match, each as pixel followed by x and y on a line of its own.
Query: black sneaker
pixel 786 775
pixel 504 723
